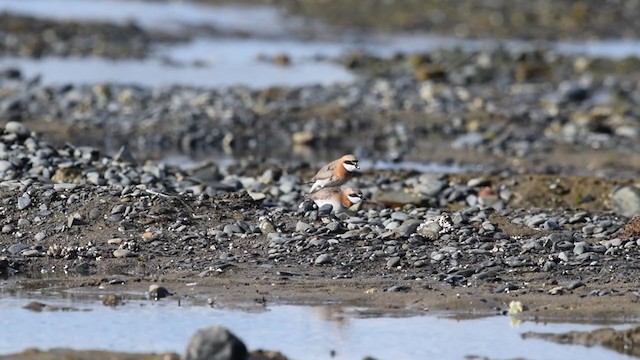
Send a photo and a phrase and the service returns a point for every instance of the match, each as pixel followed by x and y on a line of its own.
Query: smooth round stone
pixel 231 229
pixel 157 292
pixel 15 249
pixel 393 262
pixel 325 209
pixel 488 226
pixel 581 247
pixel 17 128
pixel 551 225
pixel 399 215
pixel 122 253
pixel 114 241
pixel 317 242
pixel 333 226
pixel 430 230
pixel 303 226
pixel 536 220
pixel 215 343
pixel 30 253
pixel 323 259
pixel 40 236
pixel 392 225
pixel 626 201
pixel 5 166
pixel 437 256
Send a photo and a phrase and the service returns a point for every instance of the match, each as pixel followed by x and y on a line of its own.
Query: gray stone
pixel 24 201
pixel 31 253
pixel 303 226
pixel 323 259
pixel 333 226
pixel 581 247
pixel 215 343
pixel 40 236
pixel 15 249
pixel 536 220
pixel 487 225
pixel 231 229
pixel 325 209
pixel 399 215
pixel 437 256
pixel 407 228
pixel 157 292
pixel 122 253
pixel 5 166
pixel 430 230
pixel 626 201
pixel 14 127
pixel 393 262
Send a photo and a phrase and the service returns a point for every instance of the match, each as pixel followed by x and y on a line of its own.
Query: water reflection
pixel 301 332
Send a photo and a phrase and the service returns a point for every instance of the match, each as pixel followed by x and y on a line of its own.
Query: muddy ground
pixel 76 258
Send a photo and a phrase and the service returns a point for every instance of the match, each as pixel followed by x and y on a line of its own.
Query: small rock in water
pixel 215 343
pixel 157 292
pixel 111 300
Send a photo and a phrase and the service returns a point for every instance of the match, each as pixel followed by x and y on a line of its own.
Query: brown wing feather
pixel 326 171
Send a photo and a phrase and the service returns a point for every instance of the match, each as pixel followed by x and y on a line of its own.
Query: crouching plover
pixel 340 199
pixel 335 173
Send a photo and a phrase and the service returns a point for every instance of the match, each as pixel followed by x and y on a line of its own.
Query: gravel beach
pixel 533 201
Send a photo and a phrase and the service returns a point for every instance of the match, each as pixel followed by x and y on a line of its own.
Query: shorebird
pixel 335 173
pixel 340 199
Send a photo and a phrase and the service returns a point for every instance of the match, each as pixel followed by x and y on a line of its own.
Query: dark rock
pixel 215 343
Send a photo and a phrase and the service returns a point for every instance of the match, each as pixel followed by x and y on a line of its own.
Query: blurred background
pixel 495 85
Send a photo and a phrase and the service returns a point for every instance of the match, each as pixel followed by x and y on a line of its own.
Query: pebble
pixel 24 201
pixel 122 253
pixel 323 259
pixel 626 201
pixel 393 262
pixel 15 249
pixel 157 292
pixel 31 253
pixel 215 343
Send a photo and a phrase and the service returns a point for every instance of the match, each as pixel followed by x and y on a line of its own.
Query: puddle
pixel 228 61
pixel 57 71
pixel 300 332
pixel 168 16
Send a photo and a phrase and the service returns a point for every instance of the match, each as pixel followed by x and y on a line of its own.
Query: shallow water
pixel 59 71
pixel 168 16
pixel 234 60
pixel 300 332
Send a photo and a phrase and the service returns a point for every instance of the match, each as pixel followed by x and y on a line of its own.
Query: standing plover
pixel 335 173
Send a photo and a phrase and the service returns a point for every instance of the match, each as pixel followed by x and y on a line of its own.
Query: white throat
pixel 354 199
pixel 349 167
